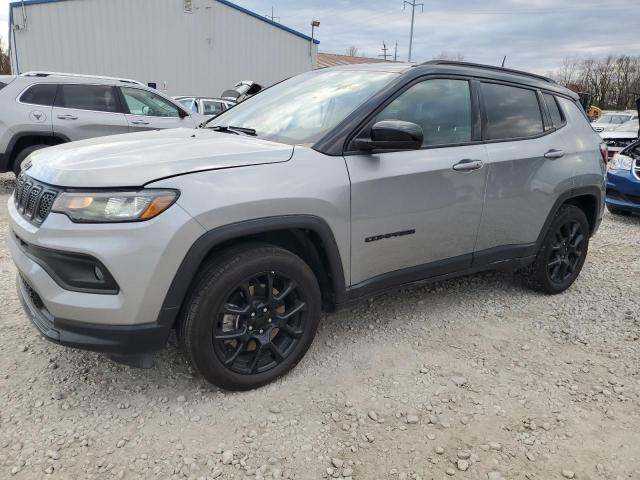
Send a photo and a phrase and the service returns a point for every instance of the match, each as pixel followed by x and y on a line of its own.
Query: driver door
pixel 148 111
pixel 417 213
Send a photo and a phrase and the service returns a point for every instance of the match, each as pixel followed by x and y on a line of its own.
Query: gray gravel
pixel 474 378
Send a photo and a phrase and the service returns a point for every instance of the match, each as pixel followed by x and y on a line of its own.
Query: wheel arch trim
pixel 206 243
pixel 592 191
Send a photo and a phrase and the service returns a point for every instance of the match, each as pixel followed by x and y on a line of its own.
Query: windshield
pixel 630 126
pixel 304 108
pixel 614 119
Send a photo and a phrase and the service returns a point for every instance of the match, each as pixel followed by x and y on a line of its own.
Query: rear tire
pixel 22 156
pixel 250 316
pixel 562 253
pixel 617 211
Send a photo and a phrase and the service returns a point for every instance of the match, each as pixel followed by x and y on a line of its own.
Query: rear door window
pixel 210 107
pixel 554 110
pixel 97 98
pixel 41 94
pixel 512 112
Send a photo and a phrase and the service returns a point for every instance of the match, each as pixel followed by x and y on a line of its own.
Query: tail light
pixel 604 152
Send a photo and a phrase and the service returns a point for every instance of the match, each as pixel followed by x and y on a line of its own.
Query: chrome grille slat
pixel 33 199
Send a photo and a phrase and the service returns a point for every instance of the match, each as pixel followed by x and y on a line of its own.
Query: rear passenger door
pixel 148 111
pixel 86 111
pixel 528 167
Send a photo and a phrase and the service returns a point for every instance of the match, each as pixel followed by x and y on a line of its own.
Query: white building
pixel 185 47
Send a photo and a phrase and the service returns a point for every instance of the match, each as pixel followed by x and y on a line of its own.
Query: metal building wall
pixel 198 53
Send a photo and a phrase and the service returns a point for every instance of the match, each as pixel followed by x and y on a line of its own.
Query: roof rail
pixel 79 75
pixel 489 67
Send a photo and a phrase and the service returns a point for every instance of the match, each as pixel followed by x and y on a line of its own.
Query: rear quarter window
pixel 2 85
pixel 512 112
pixel 42 94
pixel 554 110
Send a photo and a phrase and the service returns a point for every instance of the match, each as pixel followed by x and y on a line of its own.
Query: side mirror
pixel 182 113
pixel 392 135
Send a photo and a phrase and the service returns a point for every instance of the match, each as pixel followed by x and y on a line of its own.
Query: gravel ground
pixel 475 378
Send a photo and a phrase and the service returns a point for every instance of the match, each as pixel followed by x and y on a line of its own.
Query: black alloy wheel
pixel 565 252
pixel 250 316
pixel 259 323
pixel 562 252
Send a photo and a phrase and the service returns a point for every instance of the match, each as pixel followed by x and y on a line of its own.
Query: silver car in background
pixel 207 106
pixel 41 109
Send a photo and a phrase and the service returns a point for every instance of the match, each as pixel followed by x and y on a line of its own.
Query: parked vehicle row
pixel 612 120
pixel 207 106
pixel 620 137
pixel 41 109
pixel 326 188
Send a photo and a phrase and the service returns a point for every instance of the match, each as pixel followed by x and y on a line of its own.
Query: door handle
pixel 468 165
pixel 554 154
pixel 139 122
pixel 67 117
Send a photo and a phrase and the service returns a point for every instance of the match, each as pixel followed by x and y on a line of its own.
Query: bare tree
pixel 458 57
pixel 5 65
pixel 613 82
pixel 352 51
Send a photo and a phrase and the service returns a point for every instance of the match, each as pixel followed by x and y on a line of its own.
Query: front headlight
pixel 620 162
pixel 111 207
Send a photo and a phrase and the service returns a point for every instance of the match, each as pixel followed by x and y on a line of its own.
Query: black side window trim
pixel 25 90
pixel 476 124
pixel 542 109
pixel 563 115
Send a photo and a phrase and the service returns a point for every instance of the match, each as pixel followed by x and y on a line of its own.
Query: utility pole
pixel 413 6
pixel 384 52
pixel 395 52
pixel 272 17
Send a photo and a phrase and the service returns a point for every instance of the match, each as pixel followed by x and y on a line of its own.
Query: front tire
pixel 562 253
pixel 250 317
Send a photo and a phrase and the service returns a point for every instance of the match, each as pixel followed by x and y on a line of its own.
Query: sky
pixel 535 35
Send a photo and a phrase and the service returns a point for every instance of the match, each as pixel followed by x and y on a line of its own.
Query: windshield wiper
pixel 236 130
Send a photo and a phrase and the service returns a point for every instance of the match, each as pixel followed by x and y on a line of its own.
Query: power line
pixel 413 5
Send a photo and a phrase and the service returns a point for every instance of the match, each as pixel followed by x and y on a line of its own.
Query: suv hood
pixel 134 159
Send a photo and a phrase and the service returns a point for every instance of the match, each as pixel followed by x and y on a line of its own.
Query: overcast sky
pixel 533 34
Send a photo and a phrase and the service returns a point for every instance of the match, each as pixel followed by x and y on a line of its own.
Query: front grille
pixel 33 199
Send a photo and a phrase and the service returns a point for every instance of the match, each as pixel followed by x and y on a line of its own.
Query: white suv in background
pixel 611 120
pixel 41 109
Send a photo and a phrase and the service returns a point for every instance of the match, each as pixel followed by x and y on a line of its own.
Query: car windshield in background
pixel 619 119
pixel 304 108
pixel 630 126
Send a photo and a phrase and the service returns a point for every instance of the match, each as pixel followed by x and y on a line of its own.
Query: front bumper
pixel 142 258
pixel 623 190
pixel 113 339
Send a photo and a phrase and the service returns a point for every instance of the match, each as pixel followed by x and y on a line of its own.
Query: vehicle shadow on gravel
pixel 171 374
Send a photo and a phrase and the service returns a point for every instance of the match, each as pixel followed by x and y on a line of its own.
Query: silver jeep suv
pixel 329 187
pixel 40 109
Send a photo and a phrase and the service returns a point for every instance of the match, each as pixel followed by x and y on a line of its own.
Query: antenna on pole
pixel 272 17
pixel 504 59
pixel 413 6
